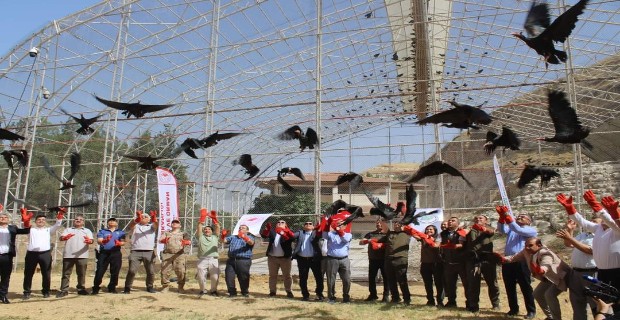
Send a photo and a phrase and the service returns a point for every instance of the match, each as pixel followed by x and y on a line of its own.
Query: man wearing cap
pixel 173 256
pixel 143 231
pixel 8 232
pixel 110 241
pixel 308 255
pixel 279 252
pixel 75 253
pixel 208 252
pixel 517 272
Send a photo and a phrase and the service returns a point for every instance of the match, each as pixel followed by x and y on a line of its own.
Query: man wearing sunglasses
pixel 308 255
pixel 279 252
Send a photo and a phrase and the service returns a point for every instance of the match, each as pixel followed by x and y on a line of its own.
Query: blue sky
pixel 22 18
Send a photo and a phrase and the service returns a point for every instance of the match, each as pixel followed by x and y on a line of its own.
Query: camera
pixel 601 290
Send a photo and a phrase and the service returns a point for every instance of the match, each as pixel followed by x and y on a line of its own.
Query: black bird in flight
pixel 410 213
pixel 462 116
pixel 368 15
pixel 136 109
pixel 286 170
pixel 542 33
pixel 20 155
pixel 147 163
pixel 530 173
pixel 307 140
pixel 85 123
pixel 353 178
pixel 245 160
pixel 54 209
pixel 356 212
pixel 508 139
pixel 436 168
pixel 568 128
pixel 75 161
pixel 8 135
pixel 188 146
pixel 381 209
pixel 214 138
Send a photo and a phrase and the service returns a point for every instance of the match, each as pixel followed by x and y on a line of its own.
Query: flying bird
pixel 356 212
pixel 8 135
pixel 214 138
pixel 84 123
pixel 381 209
pixel 62 208
pixel 20 155
pixel 436 168
pixel 542 33
pixel 188 146
pixel 368 15
pixel 75 161
pixel 286 170
pixel 245 160
pixel 353 178
pixel 568 128
pixel 307 140
pixel 462 116
pixel 147 162
pixel 530 173
pixel 508 139
pixel 135 109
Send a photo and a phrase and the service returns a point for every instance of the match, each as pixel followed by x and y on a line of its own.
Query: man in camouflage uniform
pixel 173 256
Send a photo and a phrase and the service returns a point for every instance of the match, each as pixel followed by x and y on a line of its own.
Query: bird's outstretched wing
pixel 564 117
pixel 214 138
pixel 8 135
pixel 563 25
pixel 76 160
pixel 454 115
pixel 380 208
pixel 49 169
pixel 24 203
pixel 283 182
pixel 446 168
pixel 8 157
pixel 350 177
pixel 77 205
pixel 528 174
pixel 537 20
pixel 356 212
pixel 410 200
pixel 187 146
pixel 312 138
pixel 297 172
pixel 136 109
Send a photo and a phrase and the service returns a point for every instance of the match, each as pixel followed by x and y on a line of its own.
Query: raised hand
pixel 213 216
pixel 567 203
pixel 502 211
pixel 67 236
pixel 61 213
pixel 106 239
pixel 224 233
pixel 203 216
pixel 461 232
pixel 265 232
pixel 153 215
pixel 138 216
pixel 592 202
pixel 478 227
pixel 26 216
pixel 243 236
pixel 612 207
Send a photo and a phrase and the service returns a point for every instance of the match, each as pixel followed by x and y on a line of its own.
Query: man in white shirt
pixel 38 253
pixel 7 249
pixel 143 231
pixel 77 242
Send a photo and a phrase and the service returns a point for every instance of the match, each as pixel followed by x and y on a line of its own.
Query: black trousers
pixel 433 272
pixel 611 277
pixel 518 273
pixel 241 269
pixel 396 271
pixel 113 259
pixel 304 265
pixel 6 267
pixel 488 271
pixel 451 273
pixel 374 266
pixel 44 260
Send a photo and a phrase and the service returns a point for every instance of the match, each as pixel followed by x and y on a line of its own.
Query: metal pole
pixel 317 150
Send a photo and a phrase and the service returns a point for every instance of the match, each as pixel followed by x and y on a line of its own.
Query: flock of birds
pixel 541 36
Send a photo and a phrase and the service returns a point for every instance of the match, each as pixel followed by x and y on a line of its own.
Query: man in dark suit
pixel 308 254
pixel 7 249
